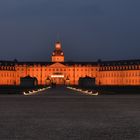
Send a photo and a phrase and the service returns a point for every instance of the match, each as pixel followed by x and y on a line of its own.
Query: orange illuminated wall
pixel 104 75
pixel 105 72
pixel 119 75
pixel 7 74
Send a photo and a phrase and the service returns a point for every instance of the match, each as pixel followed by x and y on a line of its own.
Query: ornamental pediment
pixel 57 65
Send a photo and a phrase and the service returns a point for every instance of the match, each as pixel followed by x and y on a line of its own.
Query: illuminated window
pixel 133 81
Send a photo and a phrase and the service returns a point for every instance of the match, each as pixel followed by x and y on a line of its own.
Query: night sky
pixel 88 29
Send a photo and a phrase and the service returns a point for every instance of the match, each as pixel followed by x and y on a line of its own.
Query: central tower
pixel 58 55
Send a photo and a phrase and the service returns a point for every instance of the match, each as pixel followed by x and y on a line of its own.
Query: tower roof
pixel 58 49
pixel 58 55
pixel 58 42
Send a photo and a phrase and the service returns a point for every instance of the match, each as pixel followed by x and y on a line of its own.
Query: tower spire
pixel 58 37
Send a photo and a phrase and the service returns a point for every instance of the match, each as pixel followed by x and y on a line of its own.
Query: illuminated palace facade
pixel 119 73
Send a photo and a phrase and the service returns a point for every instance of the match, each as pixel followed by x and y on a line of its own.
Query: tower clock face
pixel 58 46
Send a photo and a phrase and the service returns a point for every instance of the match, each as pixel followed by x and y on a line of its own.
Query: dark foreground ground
pixel 62 114
pixel 17 89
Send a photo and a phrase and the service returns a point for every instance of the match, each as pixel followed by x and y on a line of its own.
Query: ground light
pixel 33 92
pixel 84 91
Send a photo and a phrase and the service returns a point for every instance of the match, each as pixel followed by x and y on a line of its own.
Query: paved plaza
pixel 63 114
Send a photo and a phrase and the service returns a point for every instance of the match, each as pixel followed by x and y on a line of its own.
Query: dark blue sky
pixel 89 29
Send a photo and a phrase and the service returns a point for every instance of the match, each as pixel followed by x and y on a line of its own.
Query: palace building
pixel 119 73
